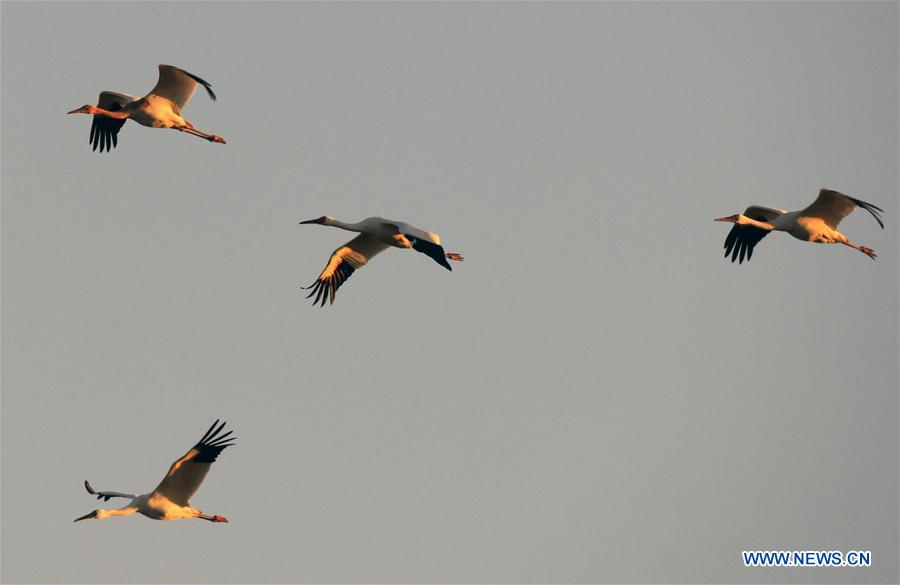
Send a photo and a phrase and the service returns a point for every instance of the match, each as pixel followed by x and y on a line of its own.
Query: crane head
pixel 85 109
pixel 88 516
pixel 736 218
pixel 319 220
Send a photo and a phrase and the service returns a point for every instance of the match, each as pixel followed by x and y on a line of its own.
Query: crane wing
pixel 105 131
pixel 186 474
pixel 411 230
pixel 105 496
pixel 177 85
pixel 342 263
pixel 743 238
pixel 832 207
pixel 430 249
pixel 111 99
pixel 428 243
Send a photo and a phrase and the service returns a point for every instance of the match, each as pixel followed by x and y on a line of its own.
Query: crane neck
pixel 350 227
pixel 744 220
pixel 119 115
pixel 126 511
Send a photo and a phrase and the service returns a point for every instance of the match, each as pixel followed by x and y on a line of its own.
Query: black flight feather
pixel 742 239
pixel 430 249
pixel 873 209
pixel 212 443
pixel 104 130
pixel 207 85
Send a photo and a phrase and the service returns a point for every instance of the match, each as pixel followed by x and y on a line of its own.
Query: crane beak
pixel 317 220
pixel 729 219
pixel 87 516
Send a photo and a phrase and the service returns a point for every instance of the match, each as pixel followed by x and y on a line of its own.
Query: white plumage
pixel 816 223
pixel 376 235
pixel 170 499
pixel 161 108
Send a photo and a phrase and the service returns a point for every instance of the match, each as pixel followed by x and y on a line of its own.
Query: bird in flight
pixel 169 501
pixel 376 234
pixel 816 223
pixel 161 108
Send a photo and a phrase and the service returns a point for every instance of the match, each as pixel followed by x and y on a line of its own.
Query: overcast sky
pixel 594 395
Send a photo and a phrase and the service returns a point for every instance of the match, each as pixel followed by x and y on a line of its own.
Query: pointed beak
pixel 87 516
pixel 75 111
pixel 729 218
pixel 309 221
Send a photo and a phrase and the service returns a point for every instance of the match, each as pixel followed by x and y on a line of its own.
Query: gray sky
pixel 595 395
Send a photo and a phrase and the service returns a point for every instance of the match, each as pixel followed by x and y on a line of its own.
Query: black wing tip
pixel 212 438
pixel 213 443
pixel 318 287
pixel 221 440
pixel 430 249
pixel 873 209
pixel 206 85
pixel 216 432
pixel 208 432
pixel 741 241
pixel 93 492
pixel 325 289
pixel 105 133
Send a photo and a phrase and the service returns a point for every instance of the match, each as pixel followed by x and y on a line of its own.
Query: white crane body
pixel 161 108
pixel 377 234
pixel 156 112
pixel 816 223
pixel 170 499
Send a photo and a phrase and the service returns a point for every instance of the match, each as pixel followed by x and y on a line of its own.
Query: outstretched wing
pixel 343 262
pixel 743 238
pixel 832 207
pixel 105 496
pixel 186 474
pixel 178 85
pixel 105 131
pixel 434 251
pixel 428 243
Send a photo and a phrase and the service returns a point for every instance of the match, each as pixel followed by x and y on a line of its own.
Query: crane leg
pixel 215 518
pixel 195 132
pixel 867 251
